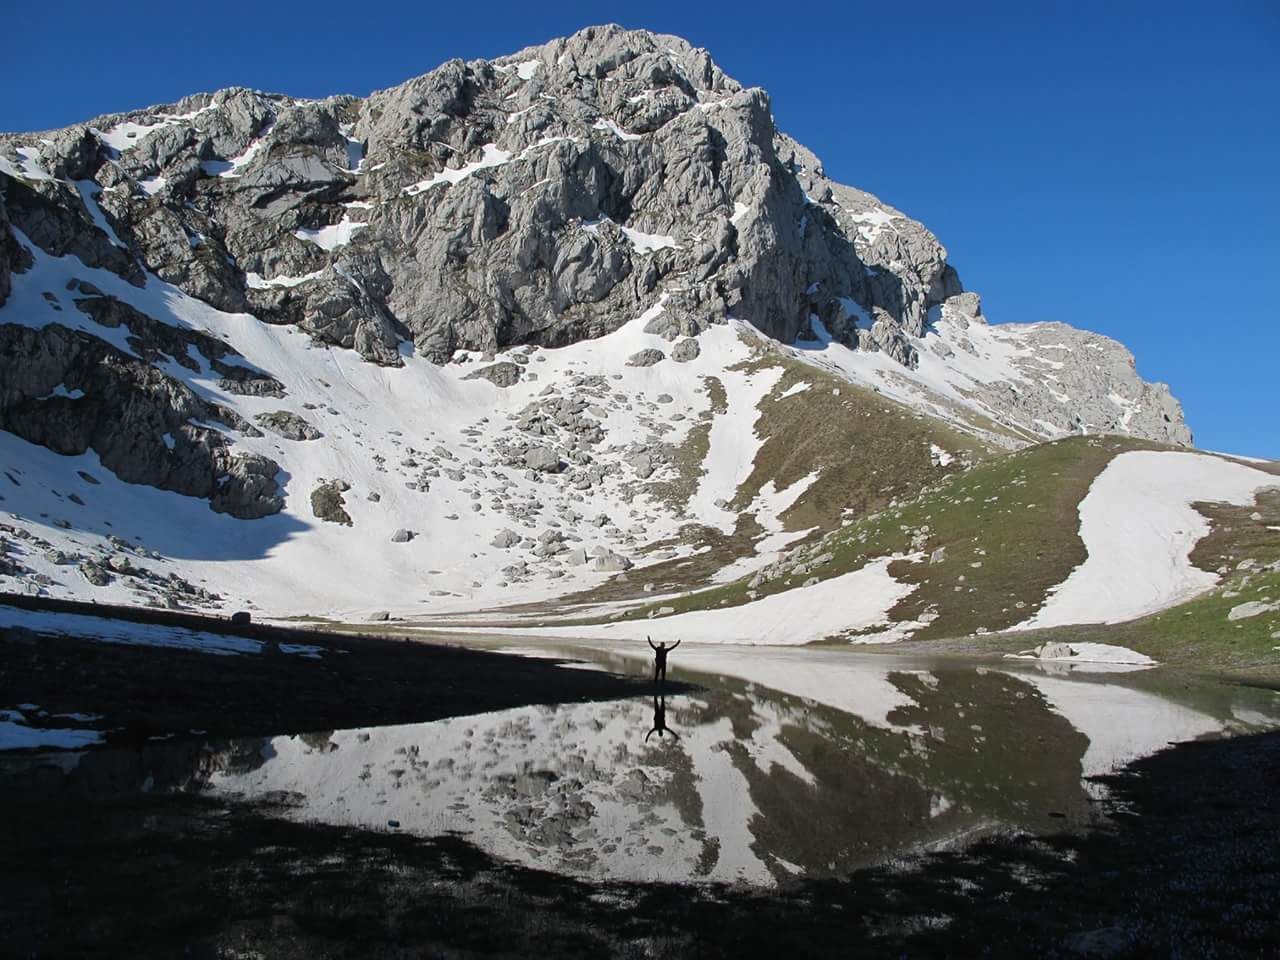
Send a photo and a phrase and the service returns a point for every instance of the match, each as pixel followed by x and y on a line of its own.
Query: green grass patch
pixel 1008 530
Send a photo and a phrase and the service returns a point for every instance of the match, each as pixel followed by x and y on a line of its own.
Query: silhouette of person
pixel 660 652
pixel 660 719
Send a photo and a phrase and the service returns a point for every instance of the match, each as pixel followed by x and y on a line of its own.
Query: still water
pixel 767 764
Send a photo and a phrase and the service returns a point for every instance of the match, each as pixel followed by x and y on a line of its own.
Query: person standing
pixel 660 651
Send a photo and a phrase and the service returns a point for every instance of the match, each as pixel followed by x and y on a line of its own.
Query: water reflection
pixel 782 763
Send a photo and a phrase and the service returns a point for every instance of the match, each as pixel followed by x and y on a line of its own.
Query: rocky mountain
pixel 499 333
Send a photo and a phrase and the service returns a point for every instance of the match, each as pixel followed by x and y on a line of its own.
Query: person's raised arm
pixel 650 639
pixel 676 644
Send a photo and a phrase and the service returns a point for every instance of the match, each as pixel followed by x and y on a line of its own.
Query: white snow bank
pixel 1084 653
pixel 1139 528
pixel 15 734
pixel 851 601
pixel 332 236
pixel 732 446
pixel 491 156
pixel 648 242
pixel 255 281
pixel 124 632
pixel 616 130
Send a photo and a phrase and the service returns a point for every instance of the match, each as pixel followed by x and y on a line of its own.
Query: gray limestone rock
pixel 642 464
pixel 505 374
pixel 1253 608
pixel 627 177
pixel 646 357
pixel 139 420
pixel 685 351
pixel 287 424
pixel 506 539
pixel 611 563
pixel 543 460
pixel 327 502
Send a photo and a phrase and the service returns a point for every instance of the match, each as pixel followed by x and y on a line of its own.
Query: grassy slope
pixel 1009 529
pixel 1197 633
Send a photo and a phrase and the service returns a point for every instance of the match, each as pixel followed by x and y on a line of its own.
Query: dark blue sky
pixel 1111 165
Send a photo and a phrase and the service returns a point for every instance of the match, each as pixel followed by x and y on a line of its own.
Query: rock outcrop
pixel 72 392
pixel 540 199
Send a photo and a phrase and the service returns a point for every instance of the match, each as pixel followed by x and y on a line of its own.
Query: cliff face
pixel 543 198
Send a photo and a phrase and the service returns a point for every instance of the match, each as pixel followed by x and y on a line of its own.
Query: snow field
pixel 1139 527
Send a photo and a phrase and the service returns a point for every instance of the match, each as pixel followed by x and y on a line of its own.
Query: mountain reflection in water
pixel 788 763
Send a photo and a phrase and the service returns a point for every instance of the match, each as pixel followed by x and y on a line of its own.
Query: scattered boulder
pixel 241 618
pixel 505 539
pixel 327 502
pixel 287 424
pixel 611 563
pixel 504 374
pixel 542 460
pixel 1253 608
pixel 685 350
pixel 646 357
pixel 95 574
pixel 402 536
pixel 642 464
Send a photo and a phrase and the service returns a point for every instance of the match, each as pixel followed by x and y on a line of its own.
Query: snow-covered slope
pixel 494 336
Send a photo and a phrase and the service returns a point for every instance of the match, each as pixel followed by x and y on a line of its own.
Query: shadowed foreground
pixel 1191 868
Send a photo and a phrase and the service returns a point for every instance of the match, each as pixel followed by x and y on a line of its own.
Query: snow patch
pixel 1139 528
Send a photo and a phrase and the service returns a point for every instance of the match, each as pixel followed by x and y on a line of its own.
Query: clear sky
pixel 1112 165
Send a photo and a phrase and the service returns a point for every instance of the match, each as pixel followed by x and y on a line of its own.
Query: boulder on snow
pixel 646 357
pixel 542 459
pixel 685 350
pixel 642 464
pixel 402 536
pixel 504 374
pixel 287 424
pixel 505 539
pixel 327 502
pixel 611 563
pixel 241 618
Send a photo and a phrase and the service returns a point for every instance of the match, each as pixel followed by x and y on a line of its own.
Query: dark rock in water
pixel 241 618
